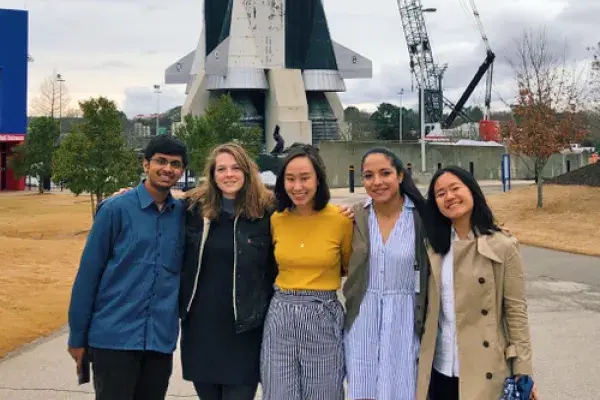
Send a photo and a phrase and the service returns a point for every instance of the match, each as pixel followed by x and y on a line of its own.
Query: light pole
pixel 400 116
pixel 157 91
pixel 60 81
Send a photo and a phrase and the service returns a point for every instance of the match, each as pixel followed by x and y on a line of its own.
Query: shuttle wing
pixel 179 72
pixel 351 64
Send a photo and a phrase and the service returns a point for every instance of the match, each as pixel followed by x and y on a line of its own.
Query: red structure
pixel 14 56
pixel 8 180
pixel 489 131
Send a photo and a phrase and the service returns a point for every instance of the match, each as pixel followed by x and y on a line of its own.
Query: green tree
pixel 34 157
pixel 386 122
pixel 94 158
pixel 359 123
pixel 219 124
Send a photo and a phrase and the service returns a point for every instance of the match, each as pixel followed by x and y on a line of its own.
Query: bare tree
pixel 53 100
pixel 550 94
pixel 73 113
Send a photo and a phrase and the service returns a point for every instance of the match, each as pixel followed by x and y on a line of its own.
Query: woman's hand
pixel 534 393
pixel 121 191
pixel 346 211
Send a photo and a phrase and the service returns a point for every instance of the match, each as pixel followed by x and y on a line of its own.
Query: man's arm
pixel 93 262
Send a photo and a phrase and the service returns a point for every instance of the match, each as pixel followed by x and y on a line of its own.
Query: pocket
pixel 174 266
pixel 171 269
pixel 258 241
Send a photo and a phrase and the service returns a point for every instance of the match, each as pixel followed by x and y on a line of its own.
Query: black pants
pixel 130 375
pixel 207 391
pixel 442 387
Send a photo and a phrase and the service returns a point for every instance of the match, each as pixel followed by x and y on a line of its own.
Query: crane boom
pixel 429 75
pixel 485 67
pixel 422 65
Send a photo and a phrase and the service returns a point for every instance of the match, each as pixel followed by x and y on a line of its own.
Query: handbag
pixel 517 390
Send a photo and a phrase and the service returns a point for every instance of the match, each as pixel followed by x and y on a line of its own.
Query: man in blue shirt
pixel 124 303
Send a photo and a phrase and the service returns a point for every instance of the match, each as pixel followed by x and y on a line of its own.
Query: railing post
pixel 351 178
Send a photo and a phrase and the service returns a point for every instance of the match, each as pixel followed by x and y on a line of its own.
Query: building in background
pixel 14 57
pixel 277 61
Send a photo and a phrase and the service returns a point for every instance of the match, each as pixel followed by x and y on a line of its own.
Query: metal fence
pixel 31 183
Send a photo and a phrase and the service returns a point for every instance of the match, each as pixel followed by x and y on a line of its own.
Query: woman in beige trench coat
pixel 476 325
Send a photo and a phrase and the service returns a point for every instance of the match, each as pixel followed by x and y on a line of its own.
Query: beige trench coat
pixel 491 316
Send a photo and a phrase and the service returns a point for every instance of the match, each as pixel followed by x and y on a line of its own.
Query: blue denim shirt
pixel 125 295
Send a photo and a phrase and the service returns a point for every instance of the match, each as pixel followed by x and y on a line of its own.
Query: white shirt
pixel 446 350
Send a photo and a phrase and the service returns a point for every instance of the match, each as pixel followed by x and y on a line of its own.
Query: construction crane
pixel 429 75
pixel 422 65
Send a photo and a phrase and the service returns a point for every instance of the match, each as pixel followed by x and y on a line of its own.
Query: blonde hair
pixel 253 200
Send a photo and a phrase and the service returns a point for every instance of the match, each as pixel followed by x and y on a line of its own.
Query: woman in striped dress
pixel 385 289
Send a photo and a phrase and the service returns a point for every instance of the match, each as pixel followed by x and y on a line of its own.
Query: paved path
pixel 564 305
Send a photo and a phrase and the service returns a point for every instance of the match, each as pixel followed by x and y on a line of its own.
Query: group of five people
pixel 434 291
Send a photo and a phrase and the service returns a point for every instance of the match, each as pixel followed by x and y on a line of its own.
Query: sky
pixel 120 48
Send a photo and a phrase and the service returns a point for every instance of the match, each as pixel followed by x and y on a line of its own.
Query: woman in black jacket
pixel 227 277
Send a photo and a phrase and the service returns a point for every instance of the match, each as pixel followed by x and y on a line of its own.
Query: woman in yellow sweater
pixel 302 350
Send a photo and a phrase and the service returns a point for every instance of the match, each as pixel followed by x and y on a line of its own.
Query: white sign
pixel 8 137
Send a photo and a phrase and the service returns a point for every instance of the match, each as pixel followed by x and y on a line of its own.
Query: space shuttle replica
pixel 276 60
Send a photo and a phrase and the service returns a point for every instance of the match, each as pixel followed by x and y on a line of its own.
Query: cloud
pixel 120 48
pixel 455 41
pixel 142 100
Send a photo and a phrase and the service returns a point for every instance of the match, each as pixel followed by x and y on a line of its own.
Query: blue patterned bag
pixel 519 390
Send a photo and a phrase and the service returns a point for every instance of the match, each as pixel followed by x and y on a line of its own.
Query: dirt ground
pixel 42 237
pixel 569 220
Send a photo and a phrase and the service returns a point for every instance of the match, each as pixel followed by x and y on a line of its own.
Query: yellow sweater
pixel 311 251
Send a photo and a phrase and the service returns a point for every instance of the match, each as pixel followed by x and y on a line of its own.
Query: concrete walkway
pixel 564 305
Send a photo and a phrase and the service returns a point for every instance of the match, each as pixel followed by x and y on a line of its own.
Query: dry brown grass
pixel 42 237
pixel 569 220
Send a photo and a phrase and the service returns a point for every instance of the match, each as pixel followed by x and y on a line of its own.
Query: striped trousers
pixel 302 354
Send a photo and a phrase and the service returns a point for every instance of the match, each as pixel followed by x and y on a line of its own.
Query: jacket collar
pixel 408 203
pixel 485 247
pixel 361 220
pixel 361 216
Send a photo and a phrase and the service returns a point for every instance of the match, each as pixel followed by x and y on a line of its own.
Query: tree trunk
pixel 40 180
pixel 93 207
pixel 539 166
pixel 540 195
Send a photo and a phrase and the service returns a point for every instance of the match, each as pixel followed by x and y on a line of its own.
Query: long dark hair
pixel 482 218
pixel 323 194
pixel 407 186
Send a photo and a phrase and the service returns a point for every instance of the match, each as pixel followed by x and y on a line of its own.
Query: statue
pixel 279 142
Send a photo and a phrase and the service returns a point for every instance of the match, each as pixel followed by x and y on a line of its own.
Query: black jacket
pixel 254 267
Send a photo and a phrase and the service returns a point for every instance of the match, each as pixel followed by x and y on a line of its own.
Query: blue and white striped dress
pixel 381 347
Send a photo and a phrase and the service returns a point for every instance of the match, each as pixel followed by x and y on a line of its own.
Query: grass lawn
pixel 569 220
pixel 42 237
